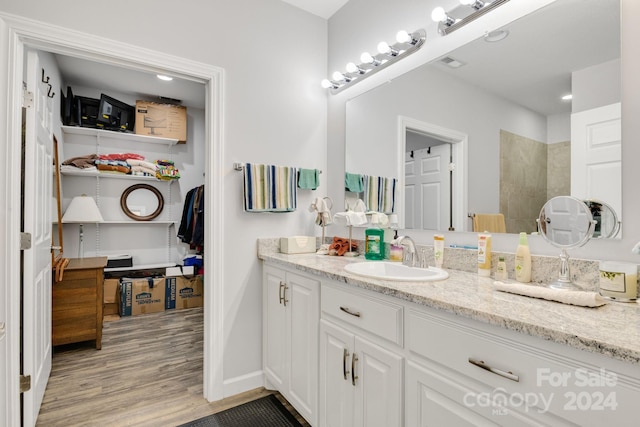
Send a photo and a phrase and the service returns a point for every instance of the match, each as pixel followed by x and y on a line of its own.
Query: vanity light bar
pixel 460 16
pixel 406 44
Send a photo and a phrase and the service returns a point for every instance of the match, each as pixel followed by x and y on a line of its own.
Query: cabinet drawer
pixel 496 367
pixel 368 313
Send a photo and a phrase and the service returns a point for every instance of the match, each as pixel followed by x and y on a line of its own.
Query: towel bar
pixel 240 166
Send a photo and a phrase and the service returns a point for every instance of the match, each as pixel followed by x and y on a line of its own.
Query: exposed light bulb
pixel 353 68
pixel 438 14
pixel 403 37
pixel 384 48
pixel 338 76
pixel 467 2
pixel 326 84
pixel 367 58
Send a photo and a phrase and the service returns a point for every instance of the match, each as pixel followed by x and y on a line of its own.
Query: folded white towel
pixel 320 206
pixel 581 298
pixel 355 219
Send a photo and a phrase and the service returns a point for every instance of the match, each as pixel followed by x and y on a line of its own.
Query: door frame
pixel 459 143
pixel 19 34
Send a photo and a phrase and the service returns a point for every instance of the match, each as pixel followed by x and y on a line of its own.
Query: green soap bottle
pixel 374 243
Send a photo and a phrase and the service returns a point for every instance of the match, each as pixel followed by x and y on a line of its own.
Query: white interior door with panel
pixel 36 276
pixel 596 155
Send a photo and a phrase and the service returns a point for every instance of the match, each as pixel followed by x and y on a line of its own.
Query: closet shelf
pixel 141 267
pixel 166 223
pixel 75 130
pixel 107 175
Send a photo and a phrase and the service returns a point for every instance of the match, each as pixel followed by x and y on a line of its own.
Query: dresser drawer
pixel 359 308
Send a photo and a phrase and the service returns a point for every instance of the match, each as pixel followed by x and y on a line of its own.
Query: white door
pixel 596 162
pixel 304 312
pixel 379 399
pixel 37 191
pixel 274 324
pixel 336 387
pixel 427 188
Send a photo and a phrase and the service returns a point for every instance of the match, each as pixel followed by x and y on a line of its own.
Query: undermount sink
pixel 396 271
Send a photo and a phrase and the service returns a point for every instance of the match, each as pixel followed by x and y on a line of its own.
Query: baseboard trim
pixel 243 383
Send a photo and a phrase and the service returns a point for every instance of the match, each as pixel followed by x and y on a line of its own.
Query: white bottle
pixel 501 269
pixel 523 260
pixel 438 250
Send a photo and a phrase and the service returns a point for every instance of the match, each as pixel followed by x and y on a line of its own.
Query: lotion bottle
pixel 523 260
pixel 484 254
pixel 438 250
pixel 501 269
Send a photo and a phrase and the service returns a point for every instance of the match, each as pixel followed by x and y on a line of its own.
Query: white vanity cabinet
pixel 291 304
pixel 461 373
pixel 361 365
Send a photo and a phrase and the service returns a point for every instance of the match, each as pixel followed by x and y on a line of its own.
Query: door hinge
pixel 27 99
pixel 25 383
pixel 25 241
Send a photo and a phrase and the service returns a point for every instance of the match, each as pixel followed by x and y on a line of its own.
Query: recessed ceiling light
pixel 496 36
pixel 567 97
pixel 165 78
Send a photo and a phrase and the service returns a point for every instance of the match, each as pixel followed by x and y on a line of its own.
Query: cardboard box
pixel 110 296
pixel 141 296
pixel 162 120
pixel 184 292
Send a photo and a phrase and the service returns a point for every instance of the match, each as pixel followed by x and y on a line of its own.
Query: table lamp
pixel 82 210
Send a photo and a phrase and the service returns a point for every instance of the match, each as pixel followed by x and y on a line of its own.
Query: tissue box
pixel 298 245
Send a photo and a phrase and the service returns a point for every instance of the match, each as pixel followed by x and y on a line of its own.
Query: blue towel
pixel 353 182
pixel 380 194
pixel 308 179
pixel 269 188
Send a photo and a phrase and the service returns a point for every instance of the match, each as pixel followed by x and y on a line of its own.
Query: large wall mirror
pixel 484 129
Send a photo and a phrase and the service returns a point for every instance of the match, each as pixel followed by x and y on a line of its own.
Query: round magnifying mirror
pixel 565 222
pixel 607 223
pixel 142 202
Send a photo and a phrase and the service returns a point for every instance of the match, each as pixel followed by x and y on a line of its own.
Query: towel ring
pixel 328 199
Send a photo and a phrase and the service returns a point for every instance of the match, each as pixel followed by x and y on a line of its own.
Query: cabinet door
pixel 303 308
pixel 434 398
pixel 336 388
pixel 379 400
pixel 275 327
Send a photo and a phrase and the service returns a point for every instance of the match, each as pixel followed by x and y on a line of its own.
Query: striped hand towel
pixel 269 188
pixel 380 193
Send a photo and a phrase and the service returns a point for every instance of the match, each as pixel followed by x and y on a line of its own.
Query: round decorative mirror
pixel 142 202
pixel 566 222
pixel 607 223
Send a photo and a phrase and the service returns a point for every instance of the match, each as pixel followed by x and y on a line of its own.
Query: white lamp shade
pixel 82 209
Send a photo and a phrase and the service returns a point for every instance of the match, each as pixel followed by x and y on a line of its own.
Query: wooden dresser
pixel 77 302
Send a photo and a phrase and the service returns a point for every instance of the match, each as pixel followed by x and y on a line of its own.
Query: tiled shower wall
pixel 531 172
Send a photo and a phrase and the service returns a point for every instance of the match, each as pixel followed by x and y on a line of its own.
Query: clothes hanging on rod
pixel 191 228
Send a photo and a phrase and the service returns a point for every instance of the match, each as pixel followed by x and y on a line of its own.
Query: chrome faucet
pixel 410 254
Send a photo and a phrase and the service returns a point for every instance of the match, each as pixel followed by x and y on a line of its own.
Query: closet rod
pixel 240 166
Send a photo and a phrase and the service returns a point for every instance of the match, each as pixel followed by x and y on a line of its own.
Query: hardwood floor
pixel 148 373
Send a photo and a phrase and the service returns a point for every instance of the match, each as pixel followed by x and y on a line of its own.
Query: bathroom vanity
pixel 451 352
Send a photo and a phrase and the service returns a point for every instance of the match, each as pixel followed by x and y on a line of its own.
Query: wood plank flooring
pixel 148 373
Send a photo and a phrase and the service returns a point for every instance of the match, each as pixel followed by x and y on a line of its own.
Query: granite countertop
pixel 612 330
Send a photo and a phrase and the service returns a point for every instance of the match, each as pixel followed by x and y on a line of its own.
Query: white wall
pixel 273 55
pixel 350 34
pixel 596 86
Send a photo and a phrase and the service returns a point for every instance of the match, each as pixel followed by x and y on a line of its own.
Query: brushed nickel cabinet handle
pixel 284 295
pixel 507 374
pixel 348 311
pixel 354 377
pixel 280 289
pixel 345 355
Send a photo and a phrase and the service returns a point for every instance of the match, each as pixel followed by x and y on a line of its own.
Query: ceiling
pixel 533 77
pixel 322 8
